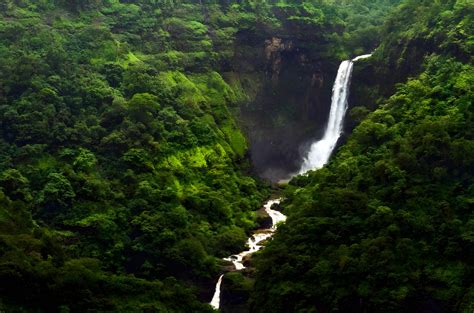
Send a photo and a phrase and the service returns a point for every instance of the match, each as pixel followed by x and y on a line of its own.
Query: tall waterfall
pixel 321 150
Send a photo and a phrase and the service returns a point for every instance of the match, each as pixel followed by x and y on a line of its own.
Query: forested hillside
pixel 125 172
pixel 387 225
pixel 123 176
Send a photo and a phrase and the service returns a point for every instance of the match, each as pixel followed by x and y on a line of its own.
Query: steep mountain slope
pixel 387 225
pixel 122 169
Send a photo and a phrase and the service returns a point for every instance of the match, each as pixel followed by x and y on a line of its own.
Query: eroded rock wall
pixel 291 90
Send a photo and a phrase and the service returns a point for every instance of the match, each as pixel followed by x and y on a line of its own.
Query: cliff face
pixel 291 89
pixel 289 82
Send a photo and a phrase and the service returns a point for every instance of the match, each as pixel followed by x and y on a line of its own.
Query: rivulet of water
pixel 254 244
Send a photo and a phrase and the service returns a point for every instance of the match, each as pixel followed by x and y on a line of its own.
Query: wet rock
pixel 263 220
pixel 235 293
pixel 274 48
pixel 277 206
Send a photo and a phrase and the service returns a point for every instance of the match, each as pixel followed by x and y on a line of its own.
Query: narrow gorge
pixel 318 155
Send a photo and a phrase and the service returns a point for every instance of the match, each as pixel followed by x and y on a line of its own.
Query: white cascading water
pixel 254 243
pixel 216 299
pixel 321 150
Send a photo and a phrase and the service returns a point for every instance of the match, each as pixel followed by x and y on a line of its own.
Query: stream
pixel 254 243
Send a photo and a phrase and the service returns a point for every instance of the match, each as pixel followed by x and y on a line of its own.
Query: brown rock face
pixel 273 55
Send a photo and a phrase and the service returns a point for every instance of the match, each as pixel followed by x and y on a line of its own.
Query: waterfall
pixel 321 150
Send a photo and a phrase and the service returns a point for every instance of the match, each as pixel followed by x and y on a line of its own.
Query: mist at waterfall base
pixel 321 150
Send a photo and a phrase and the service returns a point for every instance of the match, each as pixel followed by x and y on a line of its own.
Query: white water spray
pixel 321 150
pixel 255 243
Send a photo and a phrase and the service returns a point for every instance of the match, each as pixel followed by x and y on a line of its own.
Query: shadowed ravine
pixel 318 155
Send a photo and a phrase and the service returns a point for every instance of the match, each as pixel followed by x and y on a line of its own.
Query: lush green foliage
pixel 123 175
pixel 387 225
pixel 120 171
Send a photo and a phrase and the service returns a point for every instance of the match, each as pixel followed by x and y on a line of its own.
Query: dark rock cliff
pixel 291 91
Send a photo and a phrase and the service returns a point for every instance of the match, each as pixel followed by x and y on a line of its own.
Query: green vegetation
pixel 122 170
pixel 124 175
pixel 387 225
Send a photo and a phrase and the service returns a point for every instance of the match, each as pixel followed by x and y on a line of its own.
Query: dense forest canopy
pixel 125 177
